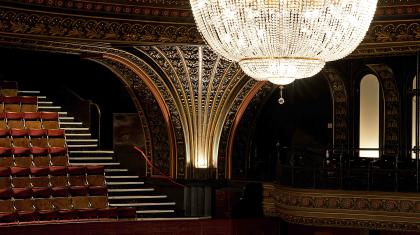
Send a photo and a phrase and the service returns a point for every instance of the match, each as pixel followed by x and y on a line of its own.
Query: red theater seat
pixel 98 190
pixel 5 172
pixel 20 171
pixel 22 193
pixel 40 171
pixel 76 170
pixel 60 191
pixel 6 193
pixel 79 190
pixel 95 170
pixel 5 151
pixel 58 170
pixel 41 192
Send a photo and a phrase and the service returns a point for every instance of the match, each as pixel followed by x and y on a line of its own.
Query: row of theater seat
pixel 18 104
pixel 58 181
pixel 68 208
pixel 29 120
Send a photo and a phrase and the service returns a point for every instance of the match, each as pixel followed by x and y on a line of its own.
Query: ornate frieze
pixel 334 208
pixel 94 29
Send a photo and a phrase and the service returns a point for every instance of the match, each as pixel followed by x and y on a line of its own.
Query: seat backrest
pixel 24 205
pixel 6 161
pixel 4 182
pixel 77 180
pixel 43 204
pixel 40 181
pixel 59 181
pixel 23 161
pixel 62 203
pixel 6 206
pixel 81 202
pixel 98 202
pixel 21 182
pixel 96 180
pixel 5 142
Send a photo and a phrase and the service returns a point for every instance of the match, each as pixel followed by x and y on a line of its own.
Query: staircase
pixel 123 189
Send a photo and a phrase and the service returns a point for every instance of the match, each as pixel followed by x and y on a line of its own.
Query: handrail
pixel 155 167
pixel 99 120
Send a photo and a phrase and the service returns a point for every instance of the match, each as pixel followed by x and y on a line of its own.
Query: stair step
pixel 144 204
pixel 154 211
pixel 62 113
pixel 49 107
pixel 75 128
pixel 121 177
pixel 66 118
pixel 116 170
pixel 82 145
pixel 126 190
pixel 77 134
pixel 45 102
pixel 91 158
pixel 81 140
pixel 41 97
pixel 71 123
pixel 125 183
pixel 136 197
pixel 95 163
pixel 29 92
pixel 92 151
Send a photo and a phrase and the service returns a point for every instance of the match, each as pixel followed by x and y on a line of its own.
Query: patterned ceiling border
pixel 178 10
pixel 383 37
pixel 65 27
pixel 351 209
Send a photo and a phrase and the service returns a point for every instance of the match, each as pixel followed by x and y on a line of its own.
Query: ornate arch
pixel 127 67
pixel 340 106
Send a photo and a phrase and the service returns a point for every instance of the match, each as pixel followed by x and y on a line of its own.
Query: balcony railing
pixel 337 169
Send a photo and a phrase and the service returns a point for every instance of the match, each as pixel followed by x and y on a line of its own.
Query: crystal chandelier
pixel 283 40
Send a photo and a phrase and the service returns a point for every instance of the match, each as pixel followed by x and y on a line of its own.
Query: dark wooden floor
pixel 161 227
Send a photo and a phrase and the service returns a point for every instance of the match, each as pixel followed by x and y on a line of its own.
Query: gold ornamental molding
pixel 396 35
pixel 59 26
pixel 207 92
pixel 335 208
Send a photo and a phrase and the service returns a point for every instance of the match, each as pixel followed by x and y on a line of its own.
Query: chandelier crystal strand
pixel 283 40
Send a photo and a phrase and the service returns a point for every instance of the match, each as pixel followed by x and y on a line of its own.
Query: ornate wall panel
pixel 392 106
pixel 207 92
pixel 340 106
pixel 334 208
